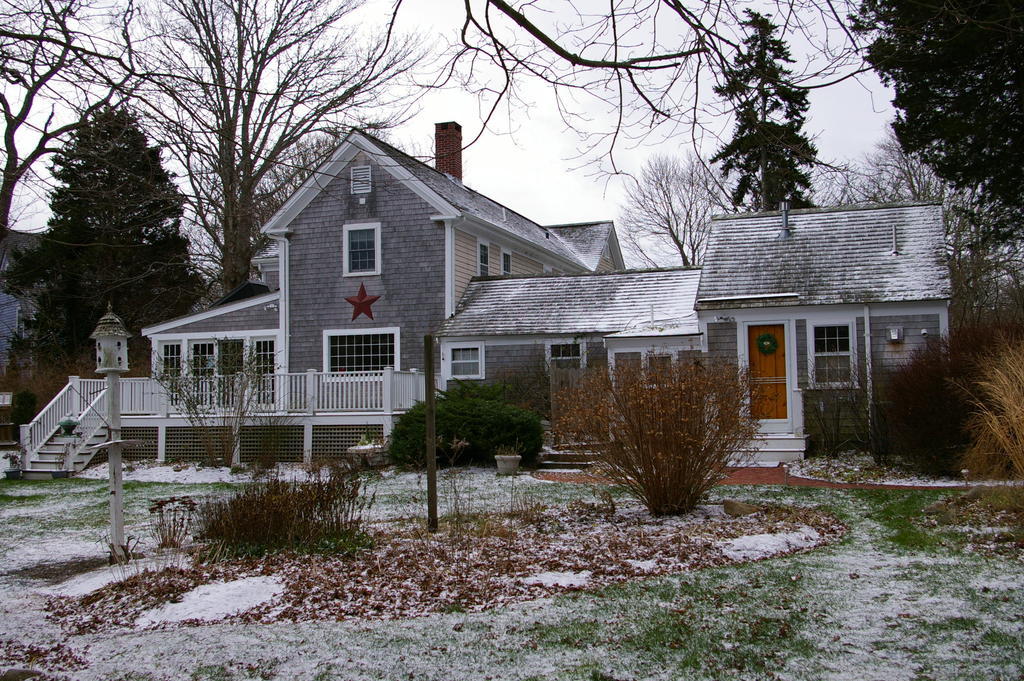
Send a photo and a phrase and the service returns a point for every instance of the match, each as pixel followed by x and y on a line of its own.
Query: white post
pixel 389 380
pixel 307 443
pixel 118 550
pixel 161 444
pixel 311 390
pixel 78 398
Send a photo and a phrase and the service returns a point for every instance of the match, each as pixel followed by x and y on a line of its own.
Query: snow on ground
pixel 562 579
pixel 757 546
pixel 861 468
pixel 875 611
pixel 211 602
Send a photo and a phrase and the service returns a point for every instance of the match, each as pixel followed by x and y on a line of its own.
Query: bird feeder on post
pixel 112 360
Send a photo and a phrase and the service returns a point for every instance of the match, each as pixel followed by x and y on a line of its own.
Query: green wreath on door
pixel 767 344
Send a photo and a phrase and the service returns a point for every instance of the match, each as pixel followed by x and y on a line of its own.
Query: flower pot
pixel 67 426
pixel 13 474
pixel 508 464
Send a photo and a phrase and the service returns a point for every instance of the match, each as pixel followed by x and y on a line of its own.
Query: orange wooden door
pixel 768 370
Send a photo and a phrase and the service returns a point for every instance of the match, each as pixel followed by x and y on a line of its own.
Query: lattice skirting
pixel 271 444
pixel 213 445
pixel 332 442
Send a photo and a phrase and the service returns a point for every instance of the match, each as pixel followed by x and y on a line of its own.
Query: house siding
pixel 605 264
pixel 465 261
pixel 722 340
pixel 889 356
pixel 522 266
pixel 246 319
pixel 411 283
pixel 501 359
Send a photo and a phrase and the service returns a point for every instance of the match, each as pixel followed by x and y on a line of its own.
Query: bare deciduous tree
pixel 641 63
pixel 60 62
pixel 668 211
pixel 987 272
pixel 236 84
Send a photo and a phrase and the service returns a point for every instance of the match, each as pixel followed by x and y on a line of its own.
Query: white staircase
pixel 47 450
pixel 774 448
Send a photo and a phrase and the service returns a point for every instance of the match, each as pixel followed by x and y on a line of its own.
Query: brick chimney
pixel 448 148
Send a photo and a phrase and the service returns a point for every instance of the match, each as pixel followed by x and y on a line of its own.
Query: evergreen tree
pixel 114 237
pixel 957 68
pixel 768 150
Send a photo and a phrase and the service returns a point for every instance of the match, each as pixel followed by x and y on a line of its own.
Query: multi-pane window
pixel 204 359
pixel 833 364
pixel 628 360
pixel 230 356
pixel 361 352
pixel 485 268
pixel 362 250
pixel 506 263
pixel 170 361
pixel 264 356
pixel 465 362
pixel 264 363
pixel 566 355
pixel 659 362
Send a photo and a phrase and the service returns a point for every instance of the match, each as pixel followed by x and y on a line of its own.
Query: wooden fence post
pixel 431 438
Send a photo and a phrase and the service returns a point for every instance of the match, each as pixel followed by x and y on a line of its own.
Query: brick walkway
pixel 742 476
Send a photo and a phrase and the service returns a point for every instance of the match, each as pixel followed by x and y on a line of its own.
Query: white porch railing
pixel 310 392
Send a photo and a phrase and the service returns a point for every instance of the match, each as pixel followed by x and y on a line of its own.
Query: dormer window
pixel 362 182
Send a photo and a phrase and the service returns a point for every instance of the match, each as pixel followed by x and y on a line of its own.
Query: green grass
pixel 893 599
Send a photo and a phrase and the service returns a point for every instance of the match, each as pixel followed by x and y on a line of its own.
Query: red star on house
pixel 361 303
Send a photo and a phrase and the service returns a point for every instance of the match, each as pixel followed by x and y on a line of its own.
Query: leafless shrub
pixel 523 506
pixel 997 425
pixel 173 520
pixel 666 435
pixel 322 514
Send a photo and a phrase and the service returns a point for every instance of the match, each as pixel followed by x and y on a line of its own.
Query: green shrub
pixel 323 514
pixel 23 407
pixel 484 424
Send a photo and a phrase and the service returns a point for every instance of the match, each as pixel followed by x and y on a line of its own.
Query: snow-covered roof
pixel 476 204
pixel 587 239
pixel 686 326
pixel 267 252
pixel 830 256
pixel 574 304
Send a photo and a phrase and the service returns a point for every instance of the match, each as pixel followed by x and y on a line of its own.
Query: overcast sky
pixel 537 169
pixel 530 161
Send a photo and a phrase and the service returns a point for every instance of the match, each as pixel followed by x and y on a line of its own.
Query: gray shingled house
pixel 370 254
pixel 817 303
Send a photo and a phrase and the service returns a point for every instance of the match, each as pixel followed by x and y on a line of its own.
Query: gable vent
pixel 361 180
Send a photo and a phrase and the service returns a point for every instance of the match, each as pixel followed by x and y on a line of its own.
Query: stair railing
pixel 93 419
pixel 35 433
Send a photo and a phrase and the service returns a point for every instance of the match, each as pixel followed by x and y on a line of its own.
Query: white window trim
pixel 187 340
pixel 481 368
pixel 505 253
pixel 812 381
pixel 359 182
pixel 326 343
pixel 583 350
pixel 375 226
